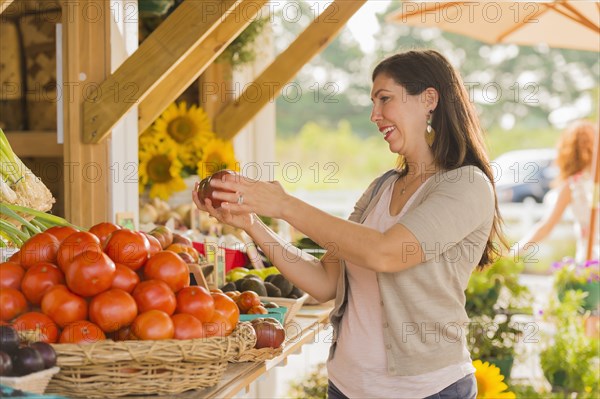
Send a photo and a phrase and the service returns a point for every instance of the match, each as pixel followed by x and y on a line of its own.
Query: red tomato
pixel 11 275
pixel 218 326
pixel 113 310
pixel 187 326
pixel 103 230
pixel 130 248
pixel 61 232
pixel 247 300
pixel 16 257
pixel 90 273
pixel 64 307
pixel 164 235
pixel 154 294
pixel 125 278
pixel 42 247
pixel 12 303
pixel 168 267
pixel 45 329
pixel 39 279
pixel 81 332
pixel 75 244
pixel 152 325
pixel 226 307
pixel 196 301
pixel 155 246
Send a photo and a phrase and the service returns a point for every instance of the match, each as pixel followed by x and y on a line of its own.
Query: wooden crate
pixel 11 78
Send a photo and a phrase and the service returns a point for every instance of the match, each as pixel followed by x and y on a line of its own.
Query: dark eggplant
pixel 9 339
pixel 47 351
pixel 27 360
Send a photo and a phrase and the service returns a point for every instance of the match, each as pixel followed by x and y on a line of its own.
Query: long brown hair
pixel 575 148
pixel 458 140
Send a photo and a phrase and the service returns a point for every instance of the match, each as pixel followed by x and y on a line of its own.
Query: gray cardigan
pixel 424 317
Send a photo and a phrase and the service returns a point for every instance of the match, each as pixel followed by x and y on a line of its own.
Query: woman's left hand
pixel 243 195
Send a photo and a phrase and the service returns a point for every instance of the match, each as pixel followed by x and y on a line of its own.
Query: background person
pixel 399 267
pixel 574 188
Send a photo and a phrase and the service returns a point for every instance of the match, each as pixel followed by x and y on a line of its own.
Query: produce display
pixel 70 286
pixel 266 283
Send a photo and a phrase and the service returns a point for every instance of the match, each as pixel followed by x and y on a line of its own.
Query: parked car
pixel 524 175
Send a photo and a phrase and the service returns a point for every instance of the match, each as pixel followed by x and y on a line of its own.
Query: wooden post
pixel 592 239
pixel 216 88
pixel 4 5
pixel 86 63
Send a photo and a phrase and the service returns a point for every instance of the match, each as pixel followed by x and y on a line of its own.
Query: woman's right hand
pixel 243 221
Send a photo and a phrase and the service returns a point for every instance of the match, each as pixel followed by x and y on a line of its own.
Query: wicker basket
pixel 34 382
pixel 292 305
pixel 110 369
pixel 258 355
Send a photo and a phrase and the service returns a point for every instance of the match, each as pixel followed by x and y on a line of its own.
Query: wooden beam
pixel 4 5
pixel 269 84
pixel 192 66
pixel 30 144
pixel 158 55
pixel 86 59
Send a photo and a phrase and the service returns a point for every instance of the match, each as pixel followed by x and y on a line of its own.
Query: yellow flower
pixel 190 129
pixel 217 155
pixel 159 166
pixel 489 382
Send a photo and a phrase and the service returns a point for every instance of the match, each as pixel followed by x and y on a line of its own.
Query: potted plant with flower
pixel 570 275
pixel 493 297
pixel 179 149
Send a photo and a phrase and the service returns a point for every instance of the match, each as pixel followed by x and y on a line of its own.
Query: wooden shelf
pixel 34 144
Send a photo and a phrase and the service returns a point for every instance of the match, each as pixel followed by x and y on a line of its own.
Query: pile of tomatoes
pixel 70 286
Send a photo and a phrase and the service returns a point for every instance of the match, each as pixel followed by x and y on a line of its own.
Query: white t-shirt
pixel 359 367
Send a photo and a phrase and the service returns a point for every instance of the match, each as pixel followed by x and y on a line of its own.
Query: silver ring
pixel 240 200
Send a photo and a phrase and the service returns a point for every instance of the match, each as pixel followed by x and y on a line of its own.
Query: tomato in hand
pixel 113 310
pixel 64 307
pixel 81 332
pixel 152 325
pixel 187 326
pixel 39 279
pixel 12 303
pixel 44 327
pixel 130 248
pixel 61 232
pixel 11 275
pixel 90 273
pixel 154 294
pixel 75 244
pixel 125 278
pixel 196 301
pixel 42 247
pixel 103 230
pixel 167 266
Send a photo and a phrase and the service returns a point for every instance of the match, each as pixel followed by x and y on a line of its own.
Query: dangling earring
pixel 429 132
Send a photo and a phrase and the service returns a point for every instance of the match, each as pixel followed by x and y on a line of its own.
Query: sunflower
pixel 489 382
pixel 217 155
pixel 190 129
pixel 159 166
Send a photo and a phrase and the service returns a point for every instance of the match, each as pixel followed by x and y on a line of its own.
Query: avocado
pixel 228 287
pixel 272 290
pixel 296 293
pixel 269 277
pixel 238 284
pixel 283 284
pixel 254 276
pixel 250 284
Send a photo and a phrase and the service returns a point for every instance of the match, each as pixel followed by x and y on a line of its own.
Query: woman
pixel 398 269
pixel 574 188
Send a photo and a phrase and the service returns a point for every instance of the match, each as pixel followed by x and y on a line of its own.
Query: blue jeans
pixel 465 388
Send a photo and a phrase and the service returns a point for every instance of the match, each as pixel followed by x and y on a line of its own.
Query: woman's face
pixel 400 117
